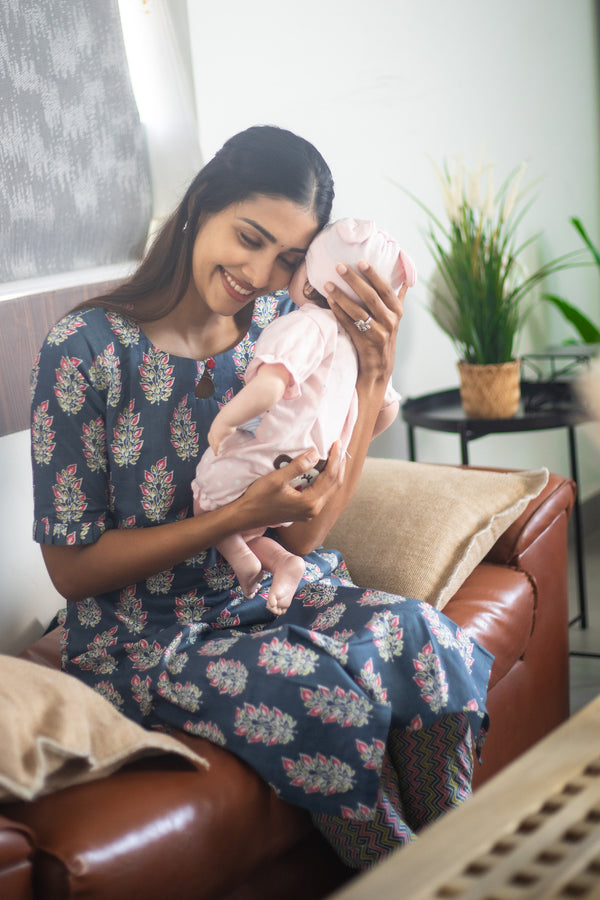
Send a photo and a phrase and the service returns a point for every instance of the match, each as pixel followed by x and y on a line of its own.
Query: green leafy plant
pixel 588 332
pixel 479 288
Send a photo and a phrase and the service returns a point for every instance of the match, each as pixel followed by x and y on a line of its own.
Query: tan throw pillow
pixel 56 732
pixel 418 530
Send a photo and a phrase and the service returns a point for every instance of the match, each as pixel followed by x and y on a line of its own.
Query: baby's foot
pixel 286 578
pixel 250 587
pixel 248 570
pixel 246 564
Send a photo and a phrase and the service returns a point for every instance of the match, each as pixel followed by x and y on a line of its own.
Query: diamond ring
pixel 363 324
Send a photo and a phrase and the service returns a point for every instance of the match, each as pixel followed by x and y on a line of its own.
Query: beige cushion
pixel 56 732
pixel 418 530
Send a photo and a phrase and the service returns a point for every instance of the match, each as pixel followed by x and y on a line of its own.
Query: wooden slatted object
pixel 533 831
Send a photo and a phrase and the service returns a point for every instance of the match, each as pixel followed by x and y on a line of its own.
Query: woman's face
pixel 249 249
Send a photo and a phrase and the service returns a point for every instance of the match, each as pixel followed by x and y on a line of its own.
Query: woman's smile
pixel 238 290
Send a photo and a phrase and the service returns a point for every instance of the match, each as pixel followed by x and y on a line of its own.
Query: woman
pixel 351 703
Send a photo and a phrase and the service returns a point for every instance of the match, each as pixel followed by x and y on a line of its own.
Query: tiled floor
pixel 585 671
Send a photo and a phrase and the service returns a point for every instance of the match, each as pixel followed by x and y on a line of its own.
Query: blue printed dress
pixel 308 699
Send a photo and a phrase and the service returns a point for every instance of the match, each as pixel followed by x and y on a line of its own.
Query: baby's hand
pixel 217 434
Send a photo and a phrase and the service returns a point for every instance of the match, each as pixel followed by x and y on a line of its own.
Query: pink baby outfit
pixel 320 404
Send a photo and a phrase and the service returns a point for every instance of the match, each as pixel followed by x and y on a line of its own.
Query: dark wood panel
pixel 24 323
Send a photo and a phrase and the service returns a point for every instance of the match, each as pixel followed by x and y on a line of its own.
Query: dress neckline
pixel 192 359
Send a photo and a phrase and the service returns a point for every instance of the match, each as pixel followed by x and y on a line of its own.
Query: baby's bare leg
pixel 243 561
pixel 287 569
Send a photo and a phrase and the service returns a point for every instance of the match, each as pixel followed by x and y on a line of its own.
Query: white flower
pixel 457 185
pixel 512 194
pixel 452 201
pixel 488 206
pixel 474 193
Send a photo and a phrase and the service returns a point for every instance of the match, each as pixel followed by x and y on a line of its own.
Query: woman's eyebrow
pixel 267 234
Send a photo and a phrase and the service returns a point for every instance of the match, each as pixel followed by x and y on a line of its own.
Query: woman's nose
pixel 258 271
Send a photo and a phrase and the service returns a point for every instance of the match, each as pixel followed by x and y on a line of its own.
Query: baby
pixel 300 393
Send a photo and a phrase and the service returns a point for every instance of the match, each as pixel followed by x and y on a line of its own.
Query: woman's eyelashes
pixel 291 263
pixel 249 241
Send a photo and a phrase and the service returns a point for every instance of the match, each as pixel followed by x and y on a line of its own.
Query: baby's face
pixel 300 289
pixel 298 283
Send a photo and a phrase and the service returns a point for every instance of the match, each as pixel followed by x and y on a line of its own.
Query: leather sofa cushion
pixel 130 825
pixel 496 606
pixel 15 861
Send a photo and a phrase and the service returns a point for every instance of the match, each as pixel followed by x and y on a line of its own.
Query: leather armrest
pixel 556 498
pixel 15 840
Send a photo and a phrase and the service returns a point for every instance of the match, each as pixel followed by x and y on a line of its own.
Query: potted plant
pixel 480 286
pixel 587 331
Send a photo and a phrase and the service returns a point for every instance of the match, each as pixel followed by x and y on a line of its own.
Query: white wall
pixel 381 88
pixel 28 600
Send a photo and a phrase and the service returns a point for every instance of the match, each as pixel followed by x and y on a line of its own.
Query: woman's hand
pixel 274 497
pixel 376 345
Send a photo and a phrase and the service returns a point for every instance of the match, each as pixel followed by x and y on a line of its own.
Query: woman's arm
pixel 376 350
pixel 121 557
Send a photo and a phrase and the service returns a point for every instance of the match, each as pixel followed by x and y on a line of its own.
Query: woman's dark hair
pixel 261 160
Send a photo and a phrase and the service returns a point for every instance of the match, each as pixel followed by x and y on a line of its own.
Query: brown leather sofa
pixel 158 829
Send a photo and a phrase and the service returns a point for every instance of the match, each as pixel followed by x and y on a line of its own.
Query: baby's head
pixel 349 241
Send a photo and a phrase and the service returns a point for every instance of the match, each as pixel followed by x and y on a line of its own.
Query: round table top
pixel 543 405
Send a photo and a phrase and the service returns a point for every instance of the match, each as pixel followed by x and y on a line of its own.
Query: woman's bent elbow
pixel 58 561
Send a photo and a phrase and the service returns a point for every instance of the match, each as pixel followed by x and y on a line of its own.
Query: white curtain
pixel 163 86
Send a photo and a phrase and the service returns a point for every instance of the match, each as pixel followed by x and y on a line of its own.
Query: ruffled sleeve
pixel 297 341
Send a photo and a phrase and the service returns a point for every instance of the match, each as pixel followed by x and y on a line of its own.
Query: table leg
pixel 412 453
pixel 578 528
pixel 464 450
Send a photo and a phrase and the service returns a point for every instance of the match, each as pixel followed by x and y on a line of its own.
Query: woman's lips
pixel 236 289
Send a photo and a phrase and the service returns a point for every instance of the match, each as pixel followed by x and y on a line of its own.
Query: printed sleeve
pixel 295 341
pixel 68 440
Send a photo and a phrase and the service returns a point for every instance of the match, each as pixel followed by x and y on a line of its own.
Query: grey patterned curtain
pixel 74 176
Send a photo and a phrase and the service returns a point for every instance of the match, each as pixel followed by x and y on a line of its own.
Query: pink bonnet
pixel 349 241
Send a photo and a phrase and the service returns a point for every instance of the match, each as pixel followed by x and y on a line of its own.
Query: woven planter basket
pixel 490 391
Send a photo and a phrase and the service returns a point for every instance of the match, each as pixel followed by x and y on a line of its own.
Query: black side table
pixel 543 406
